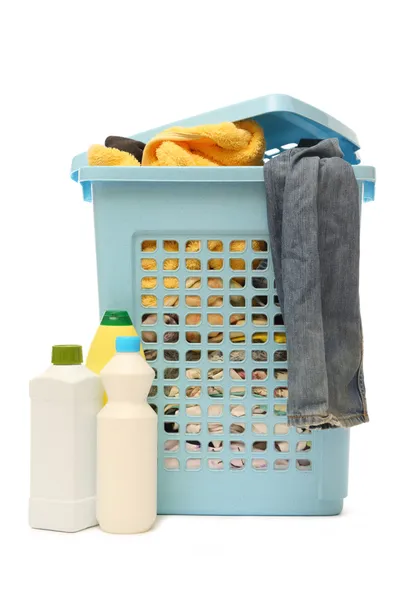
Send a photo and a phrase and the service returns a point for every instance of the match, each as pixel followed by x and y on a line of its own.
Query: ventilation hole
pixel 281 374
pixel 171 373
pixel 237 246
pixel 149 301
pixel 171 410
pixel 237 264
pixel 259 282
pixel 260 337
pixel 170 246
pixel 215 410
pixel 237 464
pixel 215 428
pixel 193 373
pixel 237 428
pixel 215 319
pixel 154 408
pixel 281 392
pixel 193 264
pixel 193 410
pixel 171 445
pixel 193 355
pixel 193 464
pixel 215 374
pixel 259 264
pixel 149 264
pixel 237 410
pixel 276 300
pixel 237 319
pixel 303 430
pixel 237 446
pixel 215 283
pixel 193 246
pixel 260 374
pixel 259 356
pixel 171 391
pixel 289 146
pixel 260 446
pixel 259 320
pixel 193 301
pixel 215 264
pixel 172 464
pixel 280 356
pixel 237 337
pixel 215 301
pixel 238 374
pixel 171 264
pixel 215 337
pixel 193 319
pixel 259 301
pixel 259 428
pixel 215 245
pixel 215 391
pixel 215 465
pixel 215 446
pixel 259 410
pixel 215 355
pixel 237 355
pixel 149 337
pixel 171 337
pixel 238 301
pixel 171 355
pixel 278 319
pixel 237 392
pixel 259 245
pixel 281 464
pixel 148 246
pixel 281 429
pixel 281 446
pixel 171 282
pixel 149 283
pixel 149 319
pixel 193 283
pixel 193 446
pixel 193 391
pixel 151 355
pixel 259 392
pixel 193 428
pixel 303 464
pixel 237 282
pixel 259 464
pixel 153 391
pixel 171 318
pixel 156 372
pixel 171 427
pixel 280 410
pixel 193 337
pixel 272 151
pixel 304 446
pixel 171 301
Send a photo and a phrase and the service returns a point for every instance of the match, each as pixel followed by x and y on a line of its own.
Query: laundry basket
pixel 211 323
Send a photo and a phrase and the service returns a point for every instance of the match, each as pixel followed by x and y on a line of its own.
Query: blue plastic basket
pixel 224 446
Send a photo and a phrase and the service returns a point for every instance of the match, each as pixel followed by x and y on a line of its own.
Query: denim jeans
pixel 314 224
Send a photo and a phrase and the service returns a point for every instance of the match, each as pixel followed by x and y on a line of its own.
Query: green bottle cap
pixel 67 355
pixel 118 318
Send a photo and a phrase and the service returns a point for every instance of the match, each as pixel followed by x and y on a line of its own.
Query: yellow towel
pixel 225 144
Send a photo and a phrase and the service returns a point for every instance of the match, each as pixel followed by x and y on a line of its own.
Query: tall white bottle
pixel 64 403
pixel 127 443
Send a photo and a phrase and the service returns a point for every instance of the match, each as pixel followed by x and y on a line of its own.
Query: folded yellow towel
pixel 225 144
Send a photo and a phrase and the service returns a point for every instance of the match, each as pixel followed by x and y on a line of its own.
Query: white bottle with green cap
pixel 64 403
pixel 127 443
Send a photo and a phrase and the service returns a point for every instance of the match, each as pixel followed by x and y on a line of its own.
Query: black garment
pixel 129 145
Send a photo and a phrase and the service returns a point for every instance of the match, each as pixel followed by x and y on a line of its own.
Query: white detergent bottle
pixel 127 443
pixel 64 403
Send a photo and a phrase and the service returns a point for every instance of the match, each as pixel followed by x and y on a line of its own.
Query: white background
pixel 73 73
